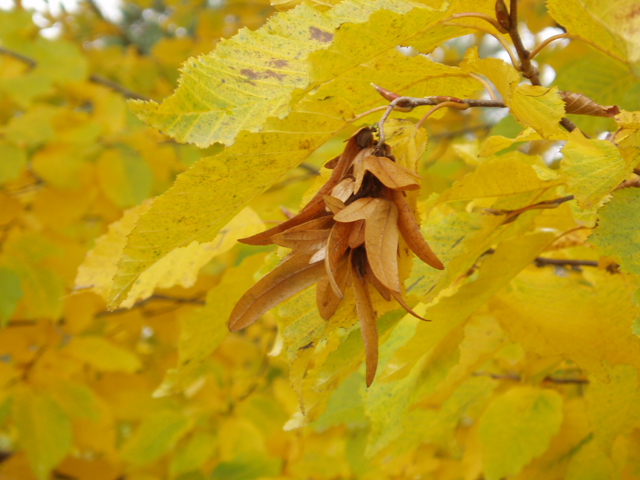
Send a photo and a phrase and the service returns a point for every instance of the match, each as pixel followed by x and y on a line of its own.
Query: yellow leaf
pixel 501 74
pixel 156 436
pixel 499 176
pixel 496 143
pixel 615 30
pixel 181 266
pixel 100 264
pixel 193 454
pixel 550 308
pixel 44 430
pixel 14 160
pixel 540 108
pixel 102 354
pixel 516 427
pixel 242 82
pixel 208 195
pixel 593 168
pixel 76 399
pixel 611 405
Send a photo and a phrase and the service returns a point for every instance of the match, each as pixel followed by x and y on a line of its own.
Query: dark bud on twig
pixel 502 15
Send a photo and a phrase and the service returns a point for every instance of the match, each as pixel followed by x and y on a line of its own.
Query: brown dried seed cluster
pixel 346 236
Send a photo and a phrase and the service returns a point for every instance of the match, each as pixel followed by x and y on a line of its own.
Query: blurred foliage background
pixel 81 389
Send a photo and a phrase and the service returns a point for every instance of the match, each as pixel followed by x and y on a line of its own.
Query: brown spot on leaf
pixel 320 35
pixel 272 74
pixel 249 73
pixel 278 63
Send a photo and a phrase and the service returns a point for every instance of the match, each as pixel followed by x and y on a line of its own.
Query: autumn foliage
pixel 320 183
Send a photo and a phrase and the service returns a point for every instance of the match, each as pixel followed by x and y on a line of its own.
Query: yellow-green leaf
pixel 540 108
pixel 124 176
pixel 517 427
pixel 208 195
pixel 11 293
pixel 101 354
pixel 618 232
pixel 615 30
pixel 44 430
pixel 593 168
pixel 193 454
pixel 181 266
pixel 14 159
pixel 504 175
pixel 155 437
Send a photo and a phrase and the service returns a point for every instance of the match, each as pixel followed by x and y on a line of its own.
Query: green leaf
pixel 44 430
pixel 618 233
pixel 593 167
pixel 11 293
pixel 155 437
pixel 14 159
pixel 517 427
pixel 248 467
pixel 124 176
pixel 345 406
pixel 207 196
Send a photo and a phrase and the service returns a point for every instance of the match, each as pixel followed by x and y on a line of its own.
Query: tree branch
pixel 528 69
pixel 97 79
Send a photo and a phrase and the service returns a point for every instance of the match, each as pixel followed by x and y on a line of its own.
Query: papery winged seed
pixel 291 276
pixel 307 241
pixel 358 210
pixel 326 298
pixel 373 280
pixel 410 231
pixel 344 189
pixel 336 247
pixel 334 205
pixel 391 174
pixel 368 327
pixel 316 205
pixel 381 243
pixel 319 256
pixel 358 168
pixel 356 238
pixel 403 304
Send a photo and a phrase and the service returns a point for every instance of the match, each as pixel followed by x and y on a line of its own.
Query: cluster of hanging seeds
pixel 345 237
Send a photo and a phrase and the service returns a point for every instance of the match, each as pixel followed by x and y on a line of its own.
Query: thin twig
pixel 516 378
pixel 412 102
pixel 564 262
pixel 486 85
pixel 456 105
pixel 166 298
pixel 546 42
pixel 18 56
pixel 97 79
pixel 481 16
pixel 309 168
pixel 100 80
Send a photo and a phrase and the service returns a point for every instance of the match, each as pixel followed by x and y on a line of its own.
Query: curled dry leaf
pixel 579 104
pixel 347 234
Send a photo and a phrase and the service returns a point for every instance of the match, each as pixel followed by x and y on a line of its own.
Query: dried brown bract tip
pixel 347 235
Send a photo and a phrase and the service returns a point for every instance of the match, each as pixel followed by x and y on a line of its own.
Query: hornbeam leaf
pixel 43 428
pixel 381 242
pixel 290 277
pixel 540 108
pixel 391 174
pixel 593 168
pixel 208 195
pixel 253 75
pixel 516 427
pixel 368 327
pixel 615 30
pixel 618 234
pixel 499 176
